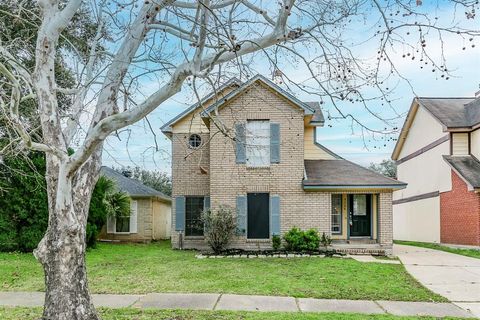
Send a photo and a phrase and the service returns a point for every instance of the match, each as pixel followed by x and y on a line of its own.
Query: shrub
pixel 298 240
pixel 24 204
pixel 276 242
pixel 311 240
pixel 325 240
pixel 219 227
pixel 293 239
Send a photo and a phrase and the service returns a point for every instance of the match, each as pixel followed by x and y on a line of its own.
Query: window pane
pixel 336 213
pixel 193 221
pixel 360 205
pixel 258 143
pixel 122 224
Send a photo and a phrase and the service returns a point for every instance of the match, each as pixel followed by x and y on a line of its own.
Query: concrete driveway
pixel 453 276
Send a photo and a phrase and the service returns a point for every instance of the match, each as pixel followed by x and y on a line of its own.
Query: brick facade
pixel 459 214
pixel 223 179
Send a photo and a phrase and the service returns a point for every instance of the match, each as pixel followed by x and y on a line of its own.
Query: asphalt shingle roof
pixel 132 187
pixel 318 115
pixel 467 166
pixel 334 173
pixel 453 112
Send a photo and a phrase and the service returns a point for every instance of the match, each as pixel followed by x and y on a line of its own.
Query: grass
pixel 127 314
pixel 472 253
pixel 157 268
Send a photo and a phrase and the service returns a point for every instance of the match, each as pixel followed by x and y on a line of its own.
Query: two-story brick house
pixel 437 155
pixel 252 147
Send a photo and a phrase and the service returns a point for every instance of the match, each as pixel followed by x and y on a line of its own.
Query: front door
pixel 360 215
pixel 258 222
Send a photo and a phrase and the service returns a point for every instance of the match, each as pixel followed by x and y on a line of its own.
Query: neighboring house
pixel 437 155
pixel 151 212
pixel 267 166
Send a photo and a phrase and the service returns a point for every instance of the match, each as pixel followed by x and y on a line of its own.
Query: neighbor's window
pixel 193 212
pixel 360 204
pixel 122 224
pixel 194 141
pixel 336 213
pixel 258 143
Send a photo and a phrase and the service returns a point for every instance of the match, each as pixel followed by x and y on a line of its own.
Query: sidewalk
pixel 206 301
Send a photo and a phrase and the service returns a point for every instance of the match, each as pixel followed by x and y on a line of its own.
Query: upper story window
pixel 257 143
pixel 460 144
pixel 194 141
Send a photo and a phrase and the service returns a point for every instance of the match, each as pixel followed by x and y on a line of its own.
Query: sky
pixel 139 146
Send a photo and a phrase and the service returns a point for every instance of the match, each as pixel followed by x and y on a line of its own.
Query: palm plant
pixel 117 204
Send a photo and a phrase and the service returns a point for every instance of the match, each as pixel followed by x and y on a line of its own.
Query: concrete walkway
pixel 234 302
pixel 453 276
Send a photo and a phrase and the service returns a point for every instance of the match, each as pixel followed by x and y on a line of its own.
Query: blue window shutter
pixel 274 143
pixel 179 213
pixel 240 139
pixel 275 215
pixel 206 203
pixel 241 215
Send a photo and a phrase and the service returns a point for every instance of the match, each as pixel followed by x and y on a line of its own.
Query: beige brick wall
pixel 385 221
pixel 226 179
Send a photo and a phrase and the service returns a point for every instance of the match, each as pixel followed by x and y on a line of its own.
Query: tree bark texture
pixel 62 250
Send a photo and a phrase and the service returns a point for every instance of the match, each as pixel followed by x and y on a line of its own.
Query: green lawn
pixel 156 268
pixel 464 252
pixel 128 314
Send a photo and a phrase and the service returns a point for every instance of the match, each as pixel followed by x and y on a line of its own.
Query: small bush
pixel 325 240
pixel 298 240
pixel 311 240
pixel 219 226
pixel 276 242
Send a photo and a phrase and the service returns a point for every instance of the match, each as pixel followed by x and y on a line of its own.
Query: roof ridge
pixel 445 97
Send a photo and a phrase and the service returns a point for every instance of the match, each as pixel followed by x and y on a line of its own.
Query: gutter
pixel 354 187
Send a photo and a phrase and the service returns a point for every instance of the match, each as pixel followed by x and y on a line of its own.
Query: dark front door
pixel 258 216
pixel 360 207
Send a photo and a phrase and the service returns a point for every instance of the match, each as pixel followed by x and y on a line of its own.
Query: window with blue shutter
pixel 241 156
pixel 179 213
pixel 241 215
pixel 274 143
pixel 275 215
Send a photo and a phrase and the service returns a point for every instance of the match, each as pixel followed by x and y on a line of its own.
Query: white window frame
pixel 133 213
pixel 257 140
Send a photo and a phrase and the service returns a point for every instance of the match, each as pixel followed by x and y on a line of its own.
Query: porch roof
pixel 343 174
pixel 468 167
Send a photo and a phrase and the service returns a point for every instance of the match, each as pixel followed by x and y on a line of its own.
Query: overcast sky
pixel 137 145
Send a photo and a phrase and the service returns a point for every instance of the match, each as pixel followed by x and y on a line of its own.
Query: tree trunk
pixel 62 250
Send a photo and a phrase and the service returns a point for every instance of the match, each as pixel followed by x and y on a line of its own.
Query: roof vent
pixel 127 173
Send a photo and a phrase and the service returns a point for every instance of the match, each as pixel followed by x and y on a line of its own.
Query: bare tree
pixel 152 49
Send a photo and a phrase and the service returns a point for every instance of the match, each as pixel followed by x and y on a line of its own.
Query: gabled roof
pixel 132 187
pixel 309 110
pixel 167 127
pixel 452 113
pixel 343 174
pixel 468 167
pixel 318 114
